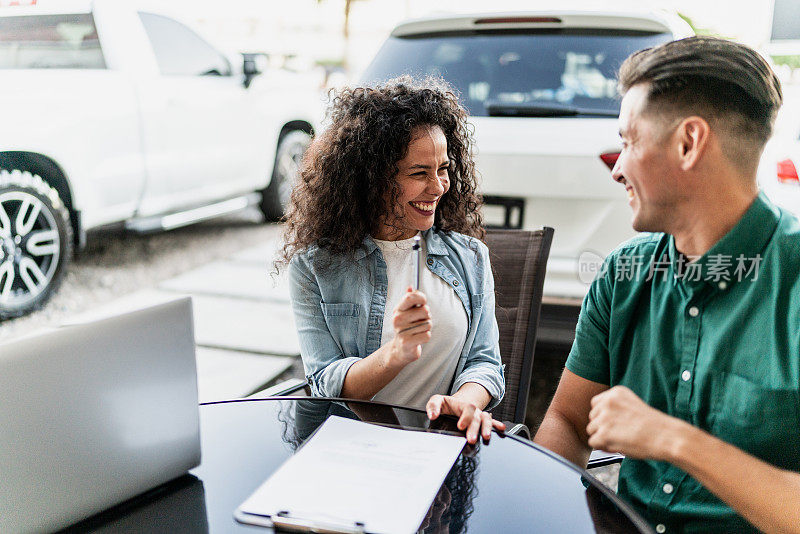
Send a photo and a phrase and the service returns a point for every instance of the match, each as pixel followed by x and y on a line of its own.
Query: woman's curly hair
pixel 347 186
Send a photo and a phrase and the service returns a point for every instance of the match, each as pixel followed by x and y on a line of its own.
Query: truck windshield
pixel 542 73
pixel 50 42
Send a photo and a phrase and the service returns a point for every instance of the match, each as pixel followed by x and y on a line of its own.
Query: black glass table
pixel 505 485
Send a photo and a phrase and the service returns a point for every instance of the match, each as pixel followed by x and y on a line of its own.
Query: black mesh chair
pixel 519 263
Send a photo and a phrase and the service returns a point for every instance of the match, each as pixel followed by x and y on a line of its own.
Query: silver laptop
pixel 93 414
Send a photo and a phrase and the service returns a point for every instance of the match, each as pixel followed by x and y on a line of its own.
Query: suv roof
pixel 650 21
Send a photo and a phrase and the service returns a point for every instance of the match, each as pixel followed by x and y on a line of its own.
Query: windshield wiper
pixel 543 109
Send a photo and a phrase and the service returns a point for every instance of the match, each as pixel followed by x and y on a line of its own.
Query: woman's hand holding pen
pixel 412 328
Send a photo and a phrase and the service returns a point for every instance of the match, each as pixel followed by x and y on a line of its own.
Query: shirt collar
pixel 734 255
pixel 433 243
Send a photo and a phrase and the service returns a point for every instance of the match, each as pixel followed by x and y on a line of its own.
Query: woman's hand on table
pixel 412 328
pixel 471 418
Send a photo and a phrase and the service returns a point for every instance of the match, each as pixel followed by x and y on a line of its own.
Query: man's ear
pixel 692 136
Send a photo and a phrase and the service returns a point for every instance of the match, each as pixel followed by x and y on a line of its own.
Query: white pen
pixel 416 248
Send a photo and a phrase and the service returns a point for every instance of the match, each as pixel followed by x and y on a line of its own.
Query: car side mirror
pixel 253 64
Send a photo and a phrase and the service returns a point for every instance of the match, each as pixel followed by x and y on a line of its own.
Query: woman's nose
pixel 436 185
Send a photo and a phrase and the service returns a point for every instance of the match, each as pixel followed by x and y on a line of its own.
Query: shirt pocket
pixel 760 419
pixel 343 320
pixel 340 309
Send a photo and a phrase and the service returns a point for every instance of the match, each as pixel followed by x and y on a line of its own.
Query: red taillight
pixel 610 159
pixel 787 172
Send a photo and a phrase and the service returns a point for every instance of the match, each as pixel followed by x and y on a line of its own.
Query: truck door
pixel 200 132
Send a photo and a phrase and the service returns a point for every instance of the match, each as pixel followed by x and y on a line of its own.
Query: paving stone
pixel 245 325
pixel 226 374
pixel 220 322
pixel 244 328
pixel 128 303
pixel 263 254
pixel 232 279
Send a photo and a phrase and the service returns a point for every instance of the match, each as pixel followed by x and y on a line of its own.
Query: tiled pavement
pixel 244 326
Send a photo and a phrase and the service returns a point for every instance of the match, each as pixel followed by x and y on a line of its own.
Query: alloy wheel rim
pixel 30 248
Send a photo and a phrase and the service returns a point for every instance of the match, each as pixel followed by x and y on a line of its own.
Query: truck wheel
pixel 275 198
pixel 35 242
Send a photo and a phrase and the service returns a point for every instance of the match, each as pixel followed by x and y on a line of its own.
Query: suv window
pixel 50 42
pixel 544 73
pixel 180 51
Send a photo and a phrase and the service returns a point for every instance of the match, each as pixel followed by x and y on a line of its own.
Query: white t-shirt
pixel 433 372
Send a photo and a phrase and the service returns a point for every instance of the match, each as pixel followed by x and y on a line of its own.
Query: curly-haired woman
pixel 394 162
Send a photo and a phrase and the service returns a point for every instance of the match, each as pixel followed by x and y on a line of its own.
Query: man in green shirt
pixel 687 351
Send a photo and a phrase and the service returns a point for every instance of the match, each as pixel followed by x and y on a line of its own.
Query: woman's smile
pixel 424 207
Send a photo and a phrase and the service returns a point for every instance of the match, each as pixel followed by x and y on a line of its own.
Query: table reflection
pixel 178 506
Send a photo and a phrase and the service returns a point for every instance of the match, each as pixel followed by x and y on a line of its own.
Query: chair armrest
pixel 601 458
pixel 518 429
pixel 289 387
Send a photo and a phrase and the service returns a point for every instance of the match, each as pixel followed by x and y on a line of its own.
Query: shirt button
pixel 667 488
pixel 694 311
pixel 723 284
pixel 455 283
pixel 661 529
pixel 430 261
pixel 686 375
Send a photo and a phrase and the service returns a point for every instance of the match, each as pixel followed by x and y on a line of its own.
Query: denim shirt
pixel 339 307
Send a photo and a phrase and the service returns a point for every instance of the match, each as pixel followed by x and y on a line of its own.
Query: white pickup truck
pixel 111 114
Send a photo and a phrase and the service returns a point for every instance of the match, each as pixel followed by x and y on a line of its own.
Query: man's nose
pixel 616 172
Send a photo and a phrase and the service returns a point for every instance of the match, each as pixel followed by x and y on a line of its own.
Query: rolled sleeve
pixel 324 363
pixel 328 381
pixel 483 364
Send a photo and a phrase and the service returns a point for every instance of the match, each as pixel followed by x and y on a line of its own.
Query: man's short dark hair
pixel 728 84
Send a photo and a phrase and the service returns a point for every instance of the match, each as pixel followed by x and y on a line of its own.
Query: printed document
pixel 350 471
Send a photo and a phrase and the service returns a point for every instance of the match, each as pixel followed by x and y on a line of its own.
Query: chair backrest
pixel 519 263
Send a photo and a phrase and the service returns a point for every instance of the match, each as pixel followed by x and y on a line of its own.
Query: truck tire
pixel 275 198
pixel 35 242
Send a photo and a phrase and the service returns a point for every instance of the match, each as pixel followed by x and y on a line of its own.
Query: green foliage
pixel 330 62
pixel 791 61
pixel 698 30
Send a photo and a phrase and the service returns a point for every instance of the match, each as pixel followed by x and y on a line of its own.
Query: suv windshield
pixel 50 42
pixel 552 73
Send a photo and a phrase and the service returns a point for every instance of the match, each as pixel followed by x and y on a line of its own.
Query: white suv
pixel 541 91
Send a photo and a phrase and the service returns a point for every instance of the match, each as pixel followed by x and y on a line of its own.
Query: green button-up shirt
pixel 715 342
